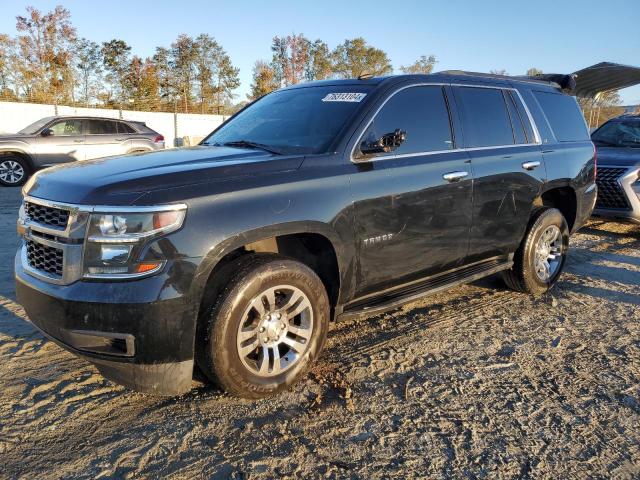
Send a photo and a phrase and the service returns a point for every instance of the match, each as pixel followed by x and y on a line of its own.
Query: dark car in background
pixel 618 146
pixel 54 140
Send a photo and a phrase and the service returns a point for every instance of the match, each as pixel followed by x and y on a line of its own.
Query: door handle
pixel 78 141
pixel 530 165
pixel 454 176
pixel 120 139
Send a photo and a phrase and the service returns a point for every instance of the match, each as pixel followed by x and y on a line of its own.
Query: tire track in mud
pixel 415 323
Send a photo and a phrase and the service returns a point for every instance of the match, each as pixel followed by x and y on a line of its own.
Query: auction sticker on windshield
pixel 344 97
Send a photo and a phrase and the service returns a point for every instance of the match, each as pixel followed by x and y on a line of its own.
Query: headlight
pixel 115 240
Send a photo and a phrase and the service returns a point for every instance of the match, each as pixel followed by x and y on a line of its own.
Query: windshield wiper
pixel 249 144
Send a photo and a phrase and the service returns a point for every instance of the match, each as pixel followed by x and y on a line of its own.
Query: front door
pixel 65 143
pixel 412 205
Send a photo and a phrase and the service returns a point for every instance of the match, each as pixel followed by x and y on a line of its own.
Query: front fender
pixel 217 252
pixel 20 148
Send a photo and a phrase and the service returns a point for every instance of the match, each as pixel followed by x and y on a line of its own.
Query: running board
pixel 412 291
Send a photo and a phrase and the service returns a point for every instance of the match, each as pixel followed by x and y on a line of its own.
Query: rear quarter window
pixel 564 116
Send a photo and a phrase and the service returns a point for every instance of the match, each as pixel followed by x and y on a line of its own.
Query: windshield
pixel 618 134
pixel 302 120
pixel 35 126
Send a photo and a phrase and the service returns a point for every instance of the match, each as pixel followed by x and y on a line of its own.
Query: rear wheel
pixel 266 327
pixel 14 170
pixel 541 257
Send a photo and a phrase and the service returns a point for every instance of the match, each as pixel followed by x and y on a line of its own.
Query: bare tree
pixel 88 63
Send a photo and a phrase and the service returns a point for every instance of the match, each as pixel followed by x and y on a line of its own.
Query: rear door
pixel 411 220
pixel 507 165
pixel 65 144
pixel 103 139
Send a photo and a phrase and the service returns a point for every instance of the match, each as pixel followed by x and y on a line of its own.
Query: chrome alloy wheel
pixel 11 172
pixel 275 330
pixel 548 254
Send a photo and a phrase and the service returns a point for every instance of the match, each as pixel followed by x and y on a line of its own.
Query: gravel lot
pixel 478 382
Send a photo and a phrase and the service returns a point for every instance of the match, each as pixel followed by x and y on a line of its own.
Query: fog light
pixel 107 270
pixel 114 253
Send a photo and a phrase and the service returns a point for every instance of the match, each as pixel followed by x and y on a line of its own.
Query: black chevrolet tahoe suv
pixel 317 201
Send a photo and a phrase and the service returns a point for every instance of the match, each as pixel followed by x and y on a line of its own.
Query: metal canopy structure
pixel 605 77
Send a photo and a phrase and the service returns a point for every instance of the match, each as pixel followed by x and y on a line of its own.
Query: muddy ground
pixel 478 382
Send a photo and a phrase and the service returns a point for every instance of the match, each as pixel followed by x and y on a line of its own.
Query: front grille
pixel 52 217
pixel 610 193
pixel 46 259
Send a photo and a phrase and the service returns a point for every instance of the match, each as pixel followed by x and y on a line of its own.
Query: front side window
pixel 618 134
pixel 421 113
pixel 102 127
pixel 67 127
pixel 564 116
pixel 302 120
pixel 485 119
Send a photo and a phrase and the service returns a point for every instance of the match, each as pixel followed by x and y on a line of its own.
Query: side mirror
pixel 46 132
pixel 385 144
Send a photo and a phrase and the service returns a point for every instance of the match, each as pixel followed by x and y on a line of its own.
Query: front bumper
pixel 138 333
pixel 631 191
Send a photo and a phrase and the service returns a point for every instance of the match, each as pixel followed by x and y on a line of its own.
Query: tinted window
pixel 485 120
pixel 124 128
pixel 618 134
pixel 531 137
pixel 564 116
pixel 422 113
pixel 300 120
pixel 67 127
pixel 516 121
pixel 102 127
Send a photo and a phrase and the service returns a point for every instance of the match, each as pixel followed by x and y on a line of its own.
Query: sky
pixel 556 36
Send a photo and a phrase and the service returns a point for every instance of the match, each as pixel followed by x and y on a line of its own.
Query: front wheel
pixel 14 171
pixel 541 257
pixel 266 327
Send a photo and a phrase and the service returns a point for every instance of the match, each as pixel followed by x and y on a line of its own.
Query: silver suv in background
pixel 54 140
pixel 618 146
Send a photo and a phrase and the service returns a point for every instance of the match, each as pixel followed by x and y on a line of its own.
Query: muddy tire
pixel 265 328
pixel 541 257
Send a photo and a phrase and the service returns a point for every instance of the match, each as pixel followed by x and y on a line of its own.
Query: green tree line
pixel 46 62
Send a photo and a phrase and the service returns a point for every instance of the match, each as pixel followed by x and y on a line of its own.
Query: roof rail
pixel 566 82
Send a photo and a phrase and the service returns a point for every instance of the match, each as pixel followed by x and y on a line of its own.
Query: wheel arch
pixel 563 197
pixel 313 243
pixel 21 154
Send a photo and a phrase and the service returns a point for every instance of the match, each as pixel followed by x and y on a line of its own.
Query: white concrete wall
pixel 15 116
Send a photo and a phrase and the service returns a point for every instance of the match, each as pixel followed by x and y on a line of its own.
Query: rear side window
pixel 485 119
pixel 102 127
pixel 124 128
pixel 564 116
pixel 422 113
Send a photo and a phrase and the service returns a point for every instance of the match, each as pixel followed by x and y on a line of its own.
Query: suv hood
pixel 620 156
pixel 10 137
pixel 121 180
